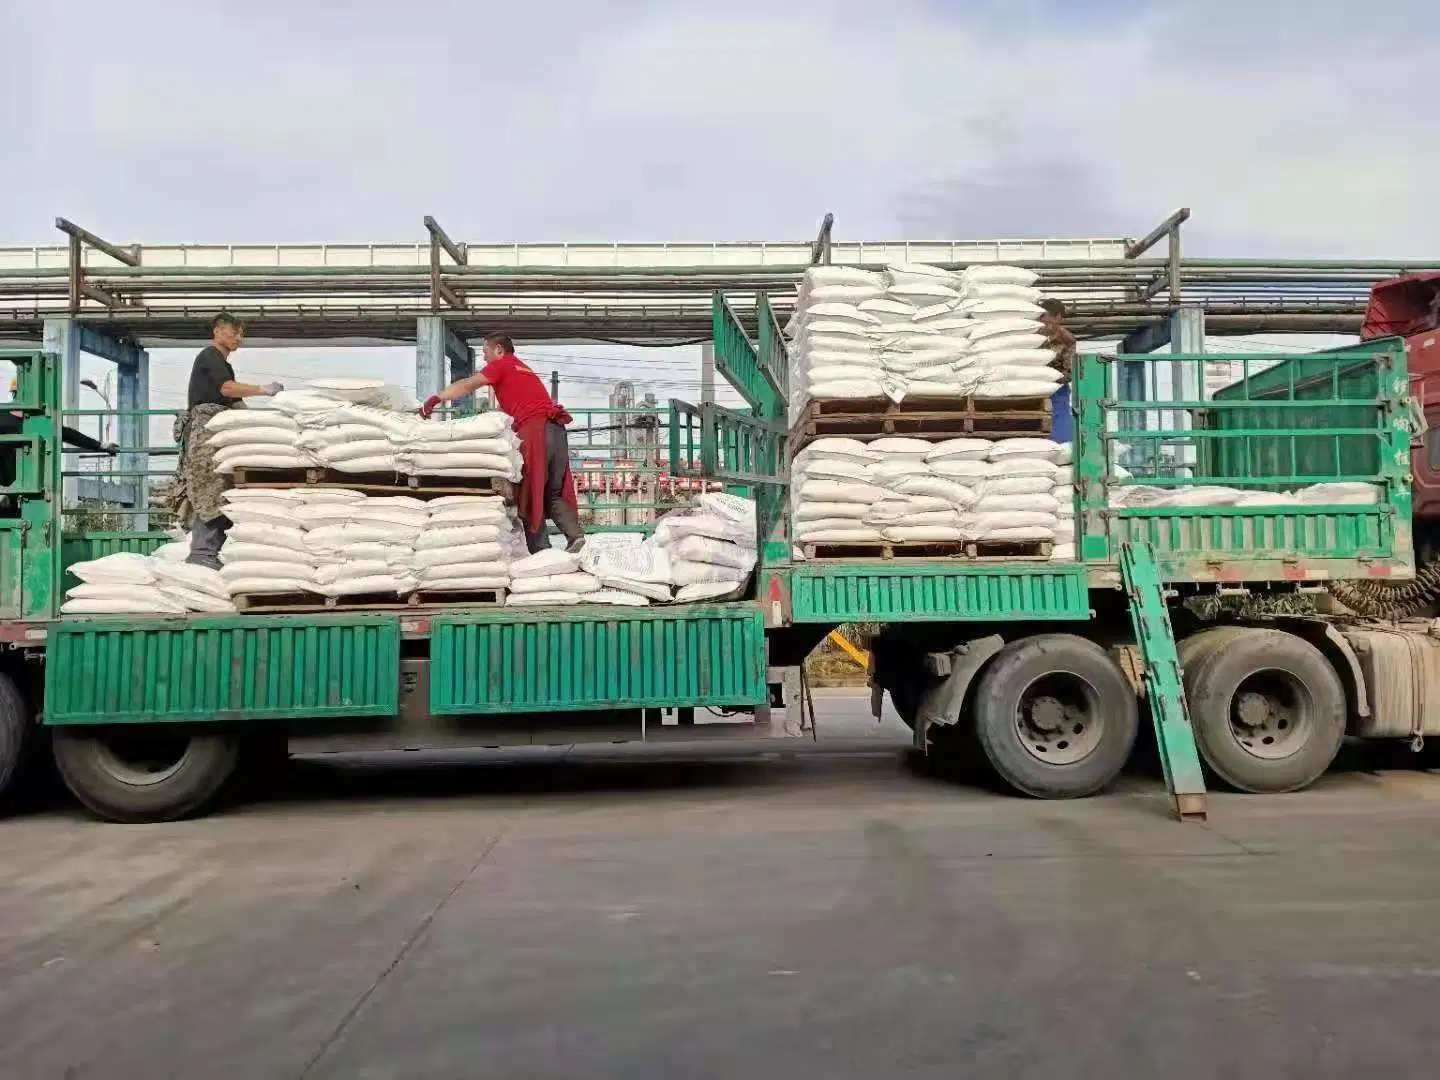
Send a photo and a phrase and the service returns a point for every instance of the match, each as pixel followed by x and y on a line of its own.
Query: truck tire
pixel 1268 711
pixel 1197 647
pixel 16 735
pixel 138 774
pixel 1055 716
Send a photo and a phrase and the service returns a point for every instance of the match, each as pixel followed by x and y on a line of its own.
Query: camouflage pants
pixel 198 492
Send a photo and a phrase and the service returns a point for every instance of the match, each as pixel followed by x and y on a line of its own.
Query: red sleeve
pixel 496 370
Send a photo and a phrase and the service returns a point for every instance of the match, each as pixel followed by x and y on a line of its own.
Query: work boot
pixel 568 521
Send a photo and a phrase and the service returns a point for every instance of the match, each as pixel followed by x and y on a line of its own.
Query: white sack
pixel 545 564
pixel 122 568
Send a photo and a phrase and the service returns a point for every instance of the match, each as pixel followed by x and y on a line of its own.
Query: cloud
pixel 1291 128
pixel 620 120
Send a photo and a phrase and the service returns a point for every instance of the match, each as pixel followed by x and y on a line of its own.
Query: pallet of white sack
pixel 979 550
pixel 371 483
pixel 928 417
pixel 298 603
pixel 452 598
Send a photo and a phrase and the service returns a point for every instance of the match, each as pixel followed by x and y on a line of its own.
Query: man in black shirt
pixel 213 389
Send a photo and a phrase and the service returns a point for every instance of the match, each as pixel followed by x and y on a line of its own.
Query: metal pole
pixel 707 373
pixel 1154 236
pixel 554 386
pixel 429 355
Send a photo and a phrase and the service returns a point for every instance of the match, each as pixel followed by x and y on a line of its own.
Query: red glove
pixel 431 404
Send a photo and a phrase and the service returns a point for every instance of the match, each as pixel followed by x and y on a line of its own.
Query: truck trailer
pixel 1041 669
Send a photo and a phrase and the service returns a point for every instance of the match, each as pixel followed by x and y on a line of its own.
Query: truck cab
pixel 1409 307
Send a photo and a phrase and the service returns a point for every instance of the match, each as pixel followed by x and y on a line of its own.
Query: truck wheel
pixel 1197 647
pixel 16 731
pixel 137 774
pixel 1055 716
pixel 1268 711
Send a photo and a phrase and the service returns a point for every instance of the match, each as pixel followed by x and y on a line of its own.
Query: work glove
pixel 273 388
pixel 111 448
pixel 431 404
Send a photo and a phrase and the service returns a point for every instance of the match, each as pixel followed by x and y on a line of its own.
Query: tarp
pixel 1403 306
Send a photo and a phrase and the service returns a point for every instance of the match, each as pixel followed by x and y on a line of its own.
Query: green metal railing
pixel 1333 417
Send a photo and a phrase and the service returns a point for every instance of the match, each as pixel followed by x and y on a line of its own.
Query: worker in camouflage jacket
pixel 197 497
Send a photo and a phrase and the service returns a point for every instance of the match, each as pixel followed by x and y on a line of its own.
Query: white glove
pixel 273 388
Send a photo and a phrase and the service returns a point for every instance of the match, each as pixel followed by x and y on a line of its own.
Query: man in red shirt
pixel 546 486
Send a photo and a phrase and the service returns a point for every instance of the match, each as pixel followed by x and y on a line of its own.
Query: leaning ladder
pixel 1163 684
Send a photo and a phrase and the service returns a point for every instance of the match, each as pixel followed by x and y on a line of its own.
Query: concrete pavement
pixel 720 913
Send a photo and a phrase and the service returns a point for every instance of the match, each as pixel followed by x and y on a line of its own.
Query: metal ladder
pixel 1163 684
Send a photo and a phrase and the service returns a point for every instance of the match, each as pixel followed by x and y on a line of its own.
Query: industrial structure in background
pixel 116 301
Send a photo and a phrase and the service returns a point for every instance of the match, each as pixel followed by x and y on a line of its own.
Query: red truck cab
pixel 1409 307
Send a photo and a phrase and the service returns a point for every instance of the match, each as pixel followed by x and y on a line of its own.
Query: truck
pixel 1043 670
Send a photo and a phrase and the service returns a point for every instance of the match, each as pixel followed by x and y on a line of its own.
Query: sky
pixel 1287 126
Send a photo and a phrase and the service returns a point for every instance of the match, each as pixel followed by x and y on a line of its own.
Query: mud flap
pixel 955 670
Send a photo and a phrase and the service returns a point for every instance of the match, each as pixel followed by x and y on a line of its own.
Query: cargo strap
pixel 1164 686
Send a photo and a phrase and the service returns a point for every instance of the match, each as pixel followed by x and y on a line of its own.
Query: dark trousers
pixel 206 540
pixel 557 509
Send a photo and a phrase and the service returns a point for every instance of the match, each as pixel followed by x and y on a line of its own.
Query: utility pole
pixel 554 386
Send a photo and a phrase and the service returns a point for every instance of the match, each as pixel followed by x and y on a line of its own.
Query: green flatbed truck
pixel 1043 669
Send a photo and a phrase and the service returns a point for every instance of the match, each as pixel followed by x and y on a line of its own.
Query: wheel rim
pixel 1058 718
pixel 1270 715
pixel 142 758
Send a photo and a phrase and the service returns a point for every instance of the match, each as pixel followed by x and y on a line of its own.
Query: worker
pixel 198 492
pixel 12 423
pixel 1062 343
pixel 546 486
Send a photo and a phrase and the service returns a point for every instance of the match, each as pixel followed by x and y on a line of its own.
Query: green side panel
pixel 1196 543
pixel 36 559
pixel 221 668
pixel 937 590
pixel 738 362
pixel 12 568
pixel 1304 394
pixel 549 661
pixel 772 352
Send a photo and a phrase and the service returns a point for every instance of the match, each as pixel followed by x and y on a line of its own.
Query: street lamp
pixel 104 396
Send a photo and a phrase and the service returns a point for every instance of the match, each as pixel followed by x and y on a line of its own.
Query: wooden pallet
pixel 296 603
pixel 458 598
pixel 958 549
pixel 930 418
pixel 372 483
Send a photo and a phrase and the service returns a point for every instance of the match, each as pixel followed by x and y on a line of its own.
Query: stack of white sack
pixel 264 551
pixel 361 438
pixel 1007 356
pixel 711 548
pixel 908 490
pixel 633 570
pixel 481 445
pixel 859 334
pixel 160 584
pixel 917 330
pixel 1201 496
pixel 256 438
pixel 1064 492
pixel 359 545
pixel 549 579
pixel 467 544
